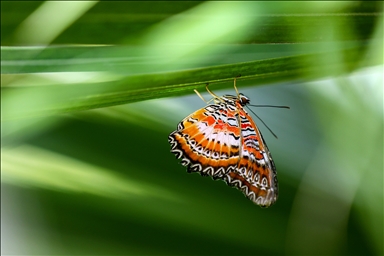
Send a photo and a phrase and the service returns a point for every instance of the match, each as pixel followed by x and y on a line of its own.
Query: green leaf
pixel 104 182
pixel 26 101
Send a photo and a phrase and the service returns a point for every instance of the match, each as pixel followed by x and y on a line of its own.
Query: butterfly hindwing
pixel 208 141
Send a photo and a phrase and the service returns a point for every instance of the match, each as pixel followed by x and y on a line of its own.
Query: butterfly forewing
pixel 255 174
pixel 222 141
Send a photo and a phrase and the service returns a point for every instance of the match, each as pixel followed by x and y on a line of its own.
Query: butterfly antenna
pixel 269 106
pixel 263 123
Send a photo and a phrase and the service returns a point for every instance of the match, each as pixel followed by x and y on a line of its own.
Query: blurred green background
pixel 85 173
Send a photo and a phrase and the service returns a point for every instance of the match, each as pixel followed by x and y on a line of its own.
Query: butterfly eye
pixel 244 100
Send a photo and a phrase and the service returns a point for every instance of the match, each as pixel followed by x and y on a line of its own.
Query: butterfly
pixel 221 140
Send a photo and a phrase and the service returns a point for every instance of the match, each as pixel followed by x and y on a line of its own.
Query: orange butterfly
pixel 222 141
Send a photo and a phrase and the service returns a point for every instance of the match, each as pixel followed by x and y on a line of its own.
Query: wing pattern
pixel 222 141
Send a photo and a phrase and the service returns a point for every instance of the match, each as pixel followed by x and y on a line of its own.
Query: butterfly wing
pixel 255 174
pixel 222 141
pixel 208 141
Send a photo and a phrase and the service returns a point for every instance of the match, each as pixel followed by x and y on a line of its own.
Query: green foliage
pixel 88 173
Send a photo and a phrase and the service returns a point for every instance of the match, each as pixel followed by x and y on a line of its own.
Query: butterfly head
pixel 241 98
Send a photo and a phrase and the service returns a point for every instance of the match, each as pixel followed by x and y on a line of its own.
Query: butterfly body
pixel 222 141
